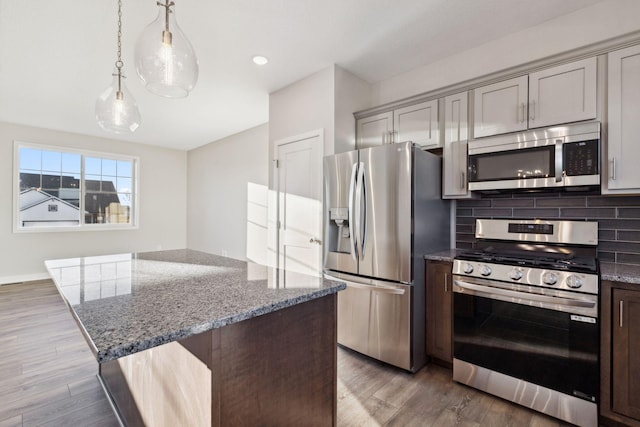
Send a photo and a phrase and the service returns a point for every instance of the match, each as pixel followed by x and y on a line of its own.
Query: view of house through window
pixel 69 189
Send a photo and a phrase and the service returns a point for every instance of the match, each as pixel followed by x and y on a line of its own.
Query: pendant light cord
pixel 119 63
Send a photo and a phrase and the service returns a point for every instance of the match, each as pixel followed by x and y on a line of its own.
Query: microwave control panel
pixel 581 158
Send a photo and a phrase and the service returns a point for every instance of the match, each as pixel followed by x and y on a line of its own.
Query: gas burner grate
pixel 568 262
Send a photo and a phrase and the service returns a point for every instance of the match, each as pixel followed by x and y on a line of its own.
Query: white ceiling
pixel 56 57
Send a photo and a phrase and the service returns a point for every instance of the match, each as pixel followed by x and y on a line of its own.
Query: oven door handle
pixel 490 291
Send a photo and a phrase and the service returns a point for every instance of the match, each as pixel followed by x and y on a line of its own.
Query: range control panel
pixel 556 279
pixel 519 228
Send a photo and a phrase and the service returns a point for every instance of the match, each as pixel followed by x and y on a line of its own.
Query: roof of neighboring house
pixel 103 193
pixel 35 180
pixel 27 203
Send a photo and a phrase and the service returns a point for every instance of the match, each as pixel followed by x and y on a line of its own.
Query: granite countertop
pixel 127 303
pixel 620 272
pixel 446 255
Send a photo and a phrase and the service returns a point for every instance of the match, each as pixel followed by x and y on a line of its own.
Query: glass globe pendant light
pixel 165 59
pixel 116 110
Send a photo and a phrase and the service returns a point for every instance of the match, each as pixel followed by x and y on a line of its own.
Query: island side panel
pixel 276 369
pixel 280 369
pixel 169 385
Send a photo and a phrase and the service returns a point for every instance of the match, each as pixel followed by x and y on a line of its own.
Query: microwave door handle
pixel 558 156
pixel 352 189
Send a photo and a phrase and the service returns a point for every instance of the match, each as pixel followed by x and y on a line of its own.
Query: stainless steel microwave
pixel 554 157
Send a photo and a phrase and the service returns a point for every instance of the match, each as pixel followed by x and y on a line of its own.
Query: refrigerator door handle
pixel 352 188
pixel 377 288
pixel 360 222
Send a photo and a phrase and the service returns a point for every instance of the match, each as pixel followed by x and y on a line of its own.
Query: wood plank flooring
pixel 373 394
pixel 48 378
pixel 47 372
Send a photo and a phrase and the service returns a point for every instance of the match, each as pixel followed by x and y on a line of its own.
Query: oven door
pixel 545 337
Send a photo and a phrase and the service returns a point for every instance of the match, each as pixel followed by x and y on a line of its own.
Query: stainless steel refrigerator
pixel 382 214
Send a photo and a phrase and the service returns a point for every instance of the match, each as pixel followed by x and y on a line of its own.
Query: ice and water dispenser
pixel 339 238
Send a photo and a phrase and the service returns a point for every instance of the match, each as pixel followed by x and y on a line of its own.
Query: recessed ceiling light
pixel 260 60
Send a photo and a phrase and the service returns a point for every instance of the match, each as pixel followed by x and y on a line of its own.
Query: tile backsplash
pixel 618 218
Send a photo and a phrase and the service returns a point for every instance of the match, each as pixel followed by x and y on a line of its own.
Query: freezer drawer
pixel 374 319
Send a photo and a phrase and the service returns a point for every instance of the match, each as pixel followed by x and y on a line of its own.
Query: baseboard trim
pixel 16 280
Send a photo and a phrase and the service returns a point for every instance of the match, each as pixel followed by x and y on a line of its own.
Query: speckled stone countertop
pixel 446 255
pixel 620 272
pixel 131 302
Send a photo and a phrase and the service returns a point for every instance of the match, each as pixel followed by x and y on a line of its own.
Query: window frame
pixel 135 205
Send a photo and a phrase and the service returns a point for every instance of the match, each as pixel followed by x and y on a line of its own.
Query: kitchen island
pixel 187 338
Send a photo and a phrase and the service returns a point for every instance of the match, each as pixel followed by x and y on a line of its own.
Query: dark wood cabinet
pixel 626 352
pixel 439 311
pixel 620 354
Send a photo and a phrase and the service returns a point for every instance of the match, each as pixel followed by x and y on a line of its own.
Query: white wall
pixel 227 195
pixel 162 198
pixel 325 100
pixel 596 23
pixel 301 107
pixel 351 94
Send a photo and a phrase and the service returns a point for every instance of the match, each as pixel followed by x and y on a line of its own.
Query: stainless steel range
pixel 526 322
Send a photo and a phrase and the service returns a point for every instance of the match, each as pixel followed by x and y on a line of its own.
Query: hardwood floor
pixel 48 378
pixel 374 394
pixel 47 372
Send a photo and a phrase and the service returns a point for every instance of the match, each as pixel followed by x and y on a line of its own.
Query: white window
pixel 64 189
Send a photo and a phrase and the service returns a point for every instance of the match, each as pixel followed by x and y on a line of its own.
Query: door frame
pixel 276 185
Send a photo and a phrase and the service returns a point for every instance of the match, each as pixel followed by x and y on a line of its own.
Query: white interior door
pixel 299 191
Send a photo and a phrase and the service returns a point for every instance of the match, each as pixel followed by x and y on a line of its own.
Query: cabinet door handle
pixel 388 137
pixel 520 112
pixel 613 168
pixel 621 311
pixel 532 110
pixel 462 180
pixel 446 282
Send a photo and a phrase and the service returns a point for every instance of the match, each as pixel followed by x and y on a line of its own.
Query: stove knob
pixel 467 268
pixel 549 278
pixel 515 274
pixel 485 270
pixel 574 282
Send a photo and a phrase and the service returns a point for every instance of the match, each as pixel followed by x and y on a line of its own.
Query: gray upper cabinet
pixel 374 130
pixel 561 94
pixel 417 123
pixel 454 151
pixel 621 174
pixel 500 107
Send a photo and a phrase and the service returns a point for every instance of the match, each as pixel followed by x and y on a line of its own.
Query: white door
pixel 299 193
pixel 419 124
pixel 500 107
